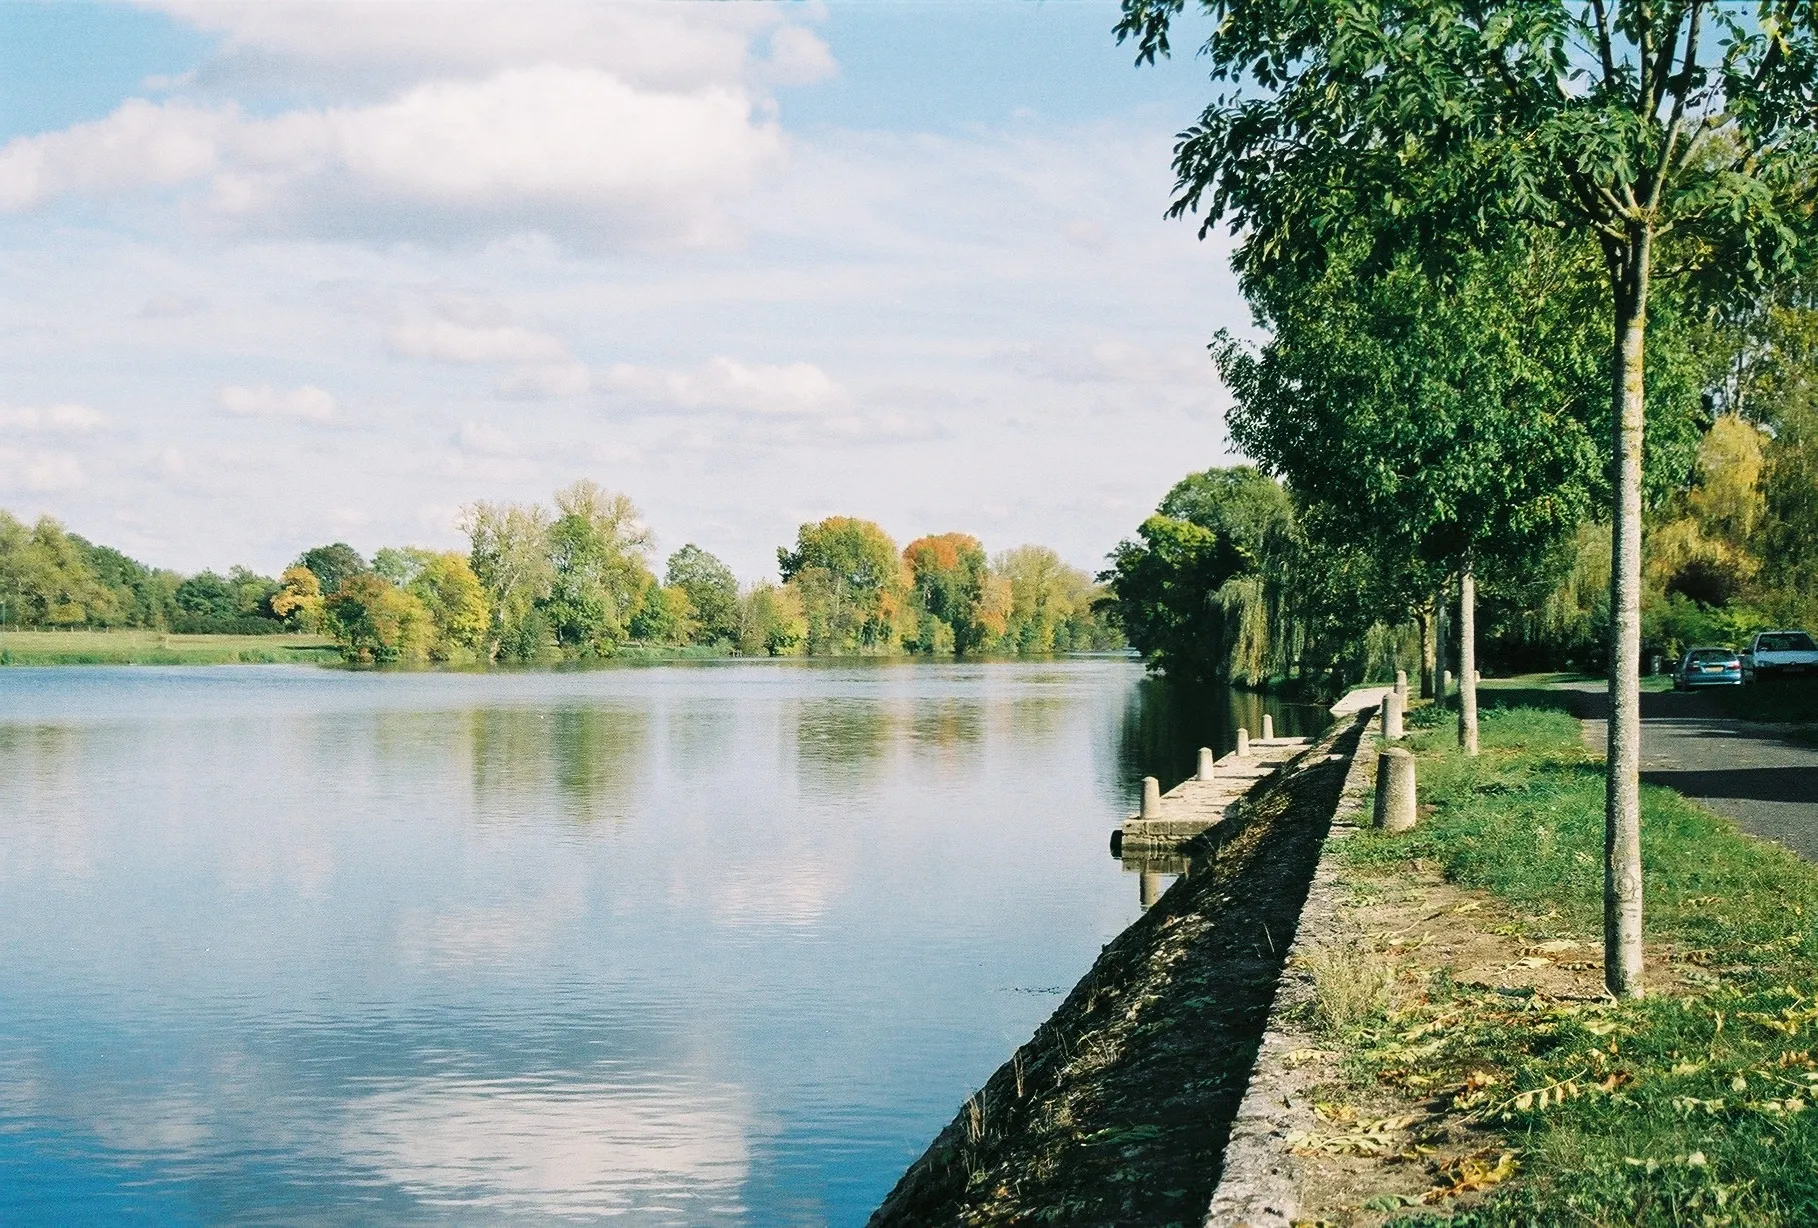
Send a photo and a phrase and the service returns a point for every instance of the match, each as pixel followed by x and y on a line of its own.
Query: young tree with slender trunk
pixel 1467 657
pixel 1622 120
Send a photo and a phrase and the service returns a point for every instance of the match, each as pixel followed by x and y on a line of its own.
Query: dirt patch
pixel 1118 1109
pixel 1377 1146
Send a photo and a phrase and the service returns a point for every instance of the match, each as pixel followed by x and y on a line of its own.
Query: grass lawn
pixel 1692 1106
pixel 159 648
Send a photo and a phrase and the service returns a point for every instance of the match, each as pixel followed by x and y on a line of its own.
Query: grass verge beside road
pixel 160 648
pixel 1516 1092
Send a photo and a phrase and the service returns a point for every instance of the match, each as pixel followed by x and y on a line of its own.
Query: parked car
pixel 1702 667
pixel 1777 654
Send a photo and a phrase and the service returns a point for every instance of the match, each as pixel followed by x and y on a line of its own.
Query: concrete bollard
pixel 1243 742
pixel 1395 789
pixel 1151 798
pixel 1401 685
pixel 1445 683
pixel 1476 675
pixel 1207 764
pixel 1391 716
pixel 1268 728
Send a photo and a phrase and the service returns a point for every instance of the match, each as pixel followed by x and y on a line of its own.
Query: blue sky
pixel 279 274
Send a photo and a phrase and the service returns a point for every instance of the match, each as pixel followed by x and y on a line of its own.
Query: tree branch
pixel 1603 45
pixel 1680 89
pixel 1659 76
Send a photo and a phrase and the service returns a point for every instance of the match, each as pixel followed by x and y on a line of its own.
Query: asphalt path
pixel 1755 773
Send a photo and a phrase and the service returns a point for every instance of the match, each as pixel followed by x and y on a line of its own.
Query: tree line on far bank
pixel 576 581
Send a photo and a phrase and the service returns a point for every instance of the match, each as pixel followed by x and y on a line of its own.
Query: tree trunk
pixel 1442 647
pixel 1429 669
pixel 1622 795
pixel 1467 658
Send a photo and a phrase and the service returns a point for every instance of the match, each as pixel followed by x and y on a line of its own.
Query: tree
pixel 299 598
pixel 1443 427
pixel 664 616
pixel 1240 503
pixel 332 564
pixel 1620 121
pixel 142 597
pixel 375 621
pixel 1165 584
pixel 455 600
pixel 771 620
pixel 596 552
pixel 962 606
pixel 713 591
pixel 851 585
pixel 1053 607
pixel 1196 593
pixel 45 579
pixel 510 555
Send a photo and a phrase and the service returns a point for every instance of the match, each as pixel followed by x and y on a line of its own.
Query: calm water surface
pixel 705 944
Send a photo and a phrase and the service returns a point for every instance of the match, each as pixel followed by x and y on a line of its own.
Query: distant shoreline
pixel 138 646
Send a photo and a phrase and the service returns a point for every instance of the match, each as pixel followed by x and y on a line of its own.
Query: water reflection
pixel 682 945
pixel 1164 724
pixel 841 739
pixel 592 756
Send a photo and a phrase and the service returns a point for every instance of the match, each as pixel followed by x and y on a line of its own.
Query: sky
pixel 281 274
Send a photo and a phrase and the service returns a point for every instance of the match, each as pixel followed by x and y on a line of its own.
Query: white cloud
pixel 571 151
pixel 1086 233
pixel 1110 360
pixel 171 307
pixel 262 400
pixel 797 57
pixel 483 440
pixel 311 45
pixel 727 384
pixel 545 370
pixel 142 144
pixel 547 382
pixel 449 341
pixel 57 419
pixel 39 471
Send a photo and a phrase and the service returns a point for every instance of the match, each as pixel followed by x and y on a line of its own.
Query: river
pixel 694 944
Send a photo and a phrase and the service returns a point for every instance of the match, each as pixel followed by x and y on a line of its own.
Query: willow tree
pixel 1622 120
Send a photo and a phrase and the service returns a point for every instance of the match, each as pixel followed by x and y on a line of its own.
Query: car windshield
pixel 1788 641
pixel 1710 656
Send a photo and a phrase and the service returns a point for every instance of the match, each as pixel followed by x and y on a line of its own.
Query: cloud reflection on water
pixel 556 1148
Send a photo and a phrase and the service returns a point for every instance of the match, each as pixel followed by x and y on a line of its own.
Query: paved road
pixel 1754 773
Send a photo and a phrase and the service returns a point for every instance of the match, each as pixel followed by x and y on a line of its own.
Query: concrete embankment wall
pixel 1118 1109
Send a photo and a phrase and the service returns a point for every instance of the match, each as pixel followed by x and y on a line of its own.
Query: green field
pixel 160 648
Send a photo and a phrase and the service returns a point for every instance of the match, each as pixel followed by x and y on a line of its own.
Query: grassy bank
pixel 1690 1107
pixel 160 648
